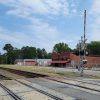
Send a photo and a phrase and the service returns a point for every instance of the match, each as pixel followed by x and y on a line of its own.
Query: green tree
pixel 49 55
pixel 39 53
pixel 11 54
pixel 8 47
pixel 61 48
pixel 94 48
pixel 44 53
pixel 3 59
pixel 28 52
pixel 15 54
pixel 0 58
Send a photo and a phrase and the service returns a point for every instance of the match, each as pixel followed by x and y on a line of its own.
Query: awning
pixel 59 61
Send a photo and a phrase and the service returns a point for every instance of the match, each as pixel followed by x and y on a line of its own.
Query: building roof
pixel 59 61
pixel 29 59
pixel 19 60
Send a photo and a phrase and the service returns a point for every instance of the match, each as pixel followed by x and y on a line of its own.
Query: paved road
pixel 90 72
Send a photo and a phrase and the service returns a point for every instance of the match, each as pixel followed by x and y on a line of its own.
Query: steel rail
pixel 11 93
pixel 38 90
pixel 41 91
pixel 73 85
pixel 82 81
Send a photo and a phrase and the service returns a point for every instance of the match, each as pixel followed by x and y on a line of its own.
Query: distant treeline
pixel 27 52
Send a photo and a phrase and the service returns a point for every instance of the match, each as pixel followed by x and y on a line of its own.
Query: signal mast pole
pixel 83 48
pixel 84 32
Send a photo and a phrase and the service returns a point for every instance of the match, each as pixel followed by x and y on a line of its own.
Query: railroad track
pixel 74 84
pixel 23 83
pixel 82 81
pixel 42 75
pixel 41 91
pixel 71 84
pixel 63 83
pixel 11 93
pixel 86 82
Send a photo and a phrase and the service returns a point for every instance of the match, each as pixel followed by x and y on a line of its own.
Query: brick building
pixel 60 59
pixel 64 59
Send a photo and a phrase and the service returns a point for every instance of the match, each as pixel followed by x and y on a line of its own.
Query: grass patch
pixel 67 73
pixel 38 70
pixel 45 71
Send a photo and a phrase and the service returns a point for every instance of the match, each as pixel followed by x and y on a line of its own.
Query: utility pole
pixel 85 33
pixel 82 48
pixel 81 57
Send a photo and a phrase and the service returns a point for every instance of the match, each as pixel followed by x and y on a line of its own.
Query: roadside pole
pixel 82 48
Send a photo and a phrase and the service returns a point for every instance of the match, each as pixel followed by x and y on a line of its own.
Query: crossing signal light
pixel 82 52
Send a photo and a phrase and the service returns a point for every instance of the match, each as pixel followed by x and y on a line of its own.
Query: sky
pixel 43 23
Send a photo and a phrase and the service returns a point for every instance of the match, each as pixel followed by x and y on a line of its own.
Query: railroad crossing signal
pixel 82 49
pixel 82 53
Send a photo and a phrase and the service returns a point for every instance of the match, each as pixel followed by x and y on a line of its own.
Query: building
pixel 25 62
pixel 92 60
pixel 60 59
pixel 30 62
pixel 44 62
pixel 19 62
pixel 33 62
pixel 68 59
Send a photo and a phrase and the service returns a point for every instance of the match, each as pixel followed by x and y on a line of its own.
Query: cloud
pixel 95 23
pixel 45 34
pixel 38 33
pixel 17 12
pixel 13 37
pixel 43 7
pixel 42 28
pixel 96 7
pixel 7 1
